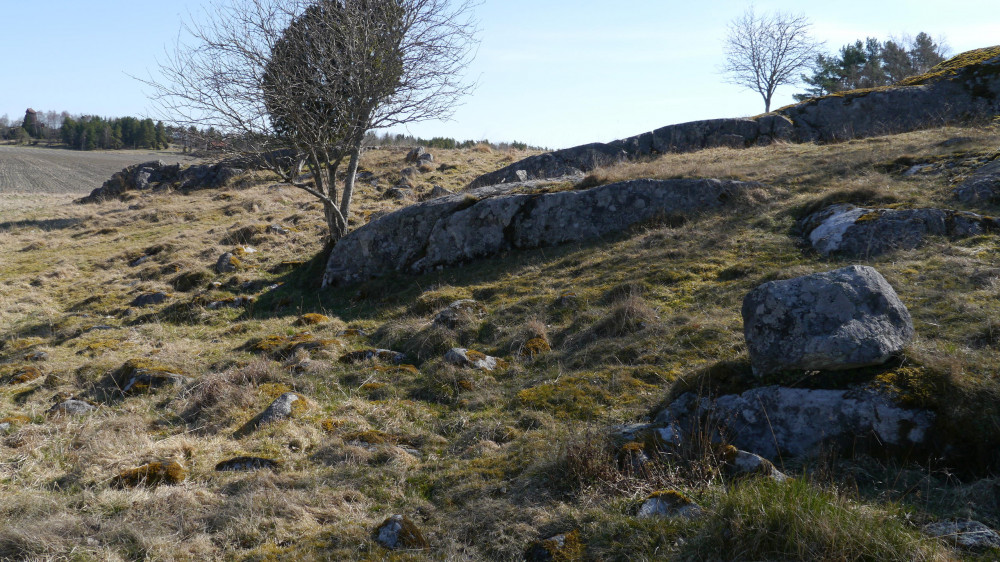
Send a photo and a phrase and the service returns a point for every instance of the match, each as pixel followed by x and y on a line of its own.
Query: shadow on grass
pixel 43 224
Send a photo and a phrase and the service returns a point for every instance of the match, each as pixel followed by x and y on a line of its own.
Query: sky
pixel 551 73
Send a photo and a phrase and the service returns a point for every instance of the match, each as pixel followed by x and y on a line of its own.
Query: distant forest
pixel 89 132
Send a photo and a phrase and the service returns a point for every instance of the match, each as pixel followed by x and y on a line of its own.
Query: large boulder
pixel 840 319
pixel 861 232
pixel 487 221
pixel 960 89
pixel 775 422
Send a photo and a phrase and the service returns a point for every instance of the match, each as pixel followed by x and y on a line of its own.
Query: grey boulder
pixel 487 221
pixel 775 421
pixel 836 320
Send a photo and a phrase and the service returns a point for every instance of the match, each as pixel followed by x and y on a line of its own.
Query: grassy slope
pixel 503 458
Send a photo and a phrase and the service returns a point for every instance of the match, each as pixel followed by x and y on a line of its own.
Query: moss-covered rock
pixel 398 532
pixel 312 319
pixel 559 548
pixel 669 503
pixel 25 374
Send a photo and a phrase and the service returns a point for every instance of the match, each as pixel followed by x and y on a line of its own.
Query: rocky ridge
pixel 963 88
pixel 486 221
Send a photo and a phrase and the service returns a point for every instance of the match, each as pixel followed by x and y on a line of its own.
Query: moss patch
pixel 151 475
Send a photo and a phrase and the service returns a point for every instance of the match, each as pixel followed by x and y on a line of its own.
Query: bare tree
pixel 298 83
pixel 767 51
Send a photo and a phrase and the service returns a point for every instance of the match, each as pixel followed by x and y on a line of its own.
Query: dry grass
pixel 483 462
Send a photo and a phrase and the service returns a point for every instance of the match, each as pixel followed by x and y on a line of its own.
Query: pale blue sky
pixel 553 73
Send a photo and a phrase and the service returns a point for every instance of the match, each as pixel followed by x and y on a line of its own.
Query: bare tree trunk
pixel 352 172
pixel 335 222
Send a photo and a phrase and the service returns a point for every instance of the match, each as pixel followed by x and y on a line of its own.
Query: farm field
pixel 50 170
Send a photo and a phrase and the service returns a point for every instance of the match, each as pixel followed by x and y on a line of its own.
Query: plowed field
pixel 46 170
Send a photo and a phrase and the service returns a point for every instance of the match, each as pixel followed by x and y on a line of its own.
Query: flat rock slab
pixel 967 534
pixel 487 221
pixel 852 231
pixel 836 320
pixel 776 421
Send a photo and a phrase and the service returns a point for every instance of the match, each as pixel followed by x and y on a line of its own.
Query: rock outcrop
pixel 959 89
pixel 860 232
pixel 983 186
pixel 776 421
pixel 487 221
pixel 156 175
pixel 836 320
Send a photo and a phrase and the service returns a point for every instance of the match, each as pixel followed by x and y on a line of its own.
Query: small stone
pixel 968 534
pixel 399 533
pixel 742 464
pixel 148 380
pixel 227 263
pixel 415 153
pixel 278 229
pixel 72 407
pixel 150 299
pixel 37 356
pixel 669 503
pixel 438 191
pixel 363 355
pixel 139 261
pixel 566 546
pixel 398 192
pixel 469 358
pixel 283 407
pixel 458 312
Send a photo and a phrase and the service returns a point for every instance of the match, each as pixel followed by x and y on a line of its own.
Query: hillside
pixel 46 170
pixel 117 309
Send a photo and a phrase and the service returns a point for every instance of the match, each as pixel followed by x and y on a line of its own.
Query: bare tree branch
pixel 298 83
pixel 767 51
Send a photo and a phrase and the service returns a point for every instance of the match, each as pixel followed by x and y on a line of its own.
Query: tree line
pixel 398 139
pixel 89 132
pixel 92 132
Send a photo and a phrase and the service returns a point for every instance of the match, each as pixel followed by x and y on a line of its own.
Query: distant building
pixel 31 123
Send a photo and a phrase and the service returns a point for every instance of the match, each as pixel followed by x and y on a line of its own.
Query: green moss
pixel 673 497
pixel 534 347
pixel 312 319
pixel 568 397
pixel 151 475
pixel 564 548
pixel 955 65
pixel 26 374
pixel 868 217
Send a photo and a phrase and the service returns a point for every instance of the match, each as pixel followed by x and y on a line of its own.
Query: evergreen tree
pixel 871 64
